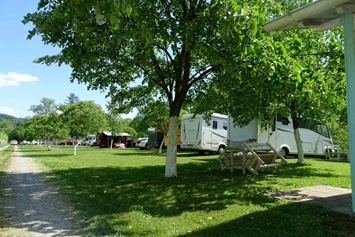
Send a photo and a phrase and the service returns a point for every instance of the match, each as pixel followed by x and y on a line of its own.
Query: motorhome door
pixel 272 132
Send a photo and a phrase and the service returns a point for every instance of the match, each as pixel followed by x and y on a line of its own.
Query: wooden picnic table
pixel 250 156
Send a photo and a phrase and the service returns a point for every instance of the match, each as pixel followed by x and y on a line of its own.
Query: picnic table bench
pixel 335 154
pixel 250 156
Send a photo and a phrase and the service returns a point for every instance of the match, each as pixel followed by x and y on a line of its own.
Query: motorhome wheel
pixel 221 149
pixel 284 152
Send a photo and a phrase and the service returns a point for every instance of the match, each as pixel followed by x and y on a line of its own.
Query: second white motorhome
pixel 199 135
pixel 316 138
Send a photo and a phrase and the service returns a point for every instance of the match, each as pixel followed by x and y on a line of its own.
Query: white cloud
pixel 14 79
pixel 7 110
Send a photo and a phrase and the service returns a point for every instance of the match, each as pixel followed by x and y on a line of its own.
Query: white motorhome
pixel 316 138
pixel 199 135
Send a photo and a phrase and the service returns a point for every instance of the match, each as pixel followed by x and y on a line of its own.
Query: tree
pixel 45 128
pixel 6 126
pixel 18 132
pixel 71 99
pixel 169 47
pixel 46 106
pixel 83 118
pixel 305 82
pixel 3 138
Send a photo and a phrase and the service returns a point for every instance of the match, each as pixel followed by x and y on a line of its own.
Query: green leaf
pixel 99 18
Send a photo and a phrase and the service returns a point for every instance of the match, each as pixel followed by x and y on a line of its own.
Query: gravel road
pixel 33 206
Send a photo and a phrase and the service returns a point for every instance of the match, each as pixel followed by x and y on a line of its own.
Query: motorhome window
pixel 214 125
pixel 225 126
pixel 314 128
pixel 284 120
pixel 306 124
pixel 322 129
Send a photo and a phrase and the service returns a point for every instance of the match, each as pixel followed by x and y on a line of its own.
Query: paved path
pixel 331 198
pixel 33 207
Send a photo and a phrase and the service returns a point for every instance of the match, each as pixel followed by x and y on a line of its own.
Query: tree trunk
pixel 75 146
pixel 111 144
pixel 171 153
pixel 296 124
pixel 161 145
pixel 49 143
pixel 299 146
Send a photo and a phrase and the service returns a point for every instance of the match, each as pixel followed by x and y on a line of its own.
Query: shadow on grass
pixel 139 153
pixel 116 190
pixel 109 191
pixel 101 192
pixel 332 161
pixel 192 154
pixel 289 220
pixel 155 153
pixel 295 170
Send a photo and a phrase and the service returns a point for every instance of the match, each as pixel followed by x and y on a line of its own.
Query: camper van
pixel 315 136
pixel 199 135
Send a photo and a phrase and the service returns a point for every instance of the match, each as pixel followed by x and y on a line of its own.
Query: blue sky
pixel 22 82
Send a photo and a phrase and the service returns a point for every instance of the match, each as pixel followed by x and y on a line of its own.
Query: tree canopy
pixel 45 128
pixel 6 126
pixel 83 118
pixel 45 107
pixel 71 99
pixel 136 48
pixel 307 80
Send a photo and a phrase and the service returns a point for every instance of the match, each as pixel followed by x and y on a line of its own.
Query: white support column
pixel 348 24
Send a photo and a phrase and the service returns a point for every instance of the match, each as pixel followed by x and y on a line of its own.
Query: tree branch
pixel 146 72
pixel 194 79
pixel 166 8
pixel 184 7
pixel 162 78
pixel 167 53
pixel 158 68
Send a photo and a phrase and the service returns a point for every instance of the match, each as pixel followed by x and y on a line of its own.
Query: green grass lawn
pixel 123 192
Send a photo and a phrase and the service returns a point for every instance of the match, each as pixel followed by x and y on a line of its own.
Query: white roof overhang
pixel 322 15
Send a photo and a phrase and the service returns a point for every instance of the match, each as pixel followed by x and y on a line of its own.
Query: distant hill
pixel 13 119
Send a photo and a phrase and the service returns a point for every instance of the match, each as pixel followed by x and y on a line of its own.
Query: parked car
pixel 69 142
pixel 142 143
pixel 89 140
pixel 25 142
